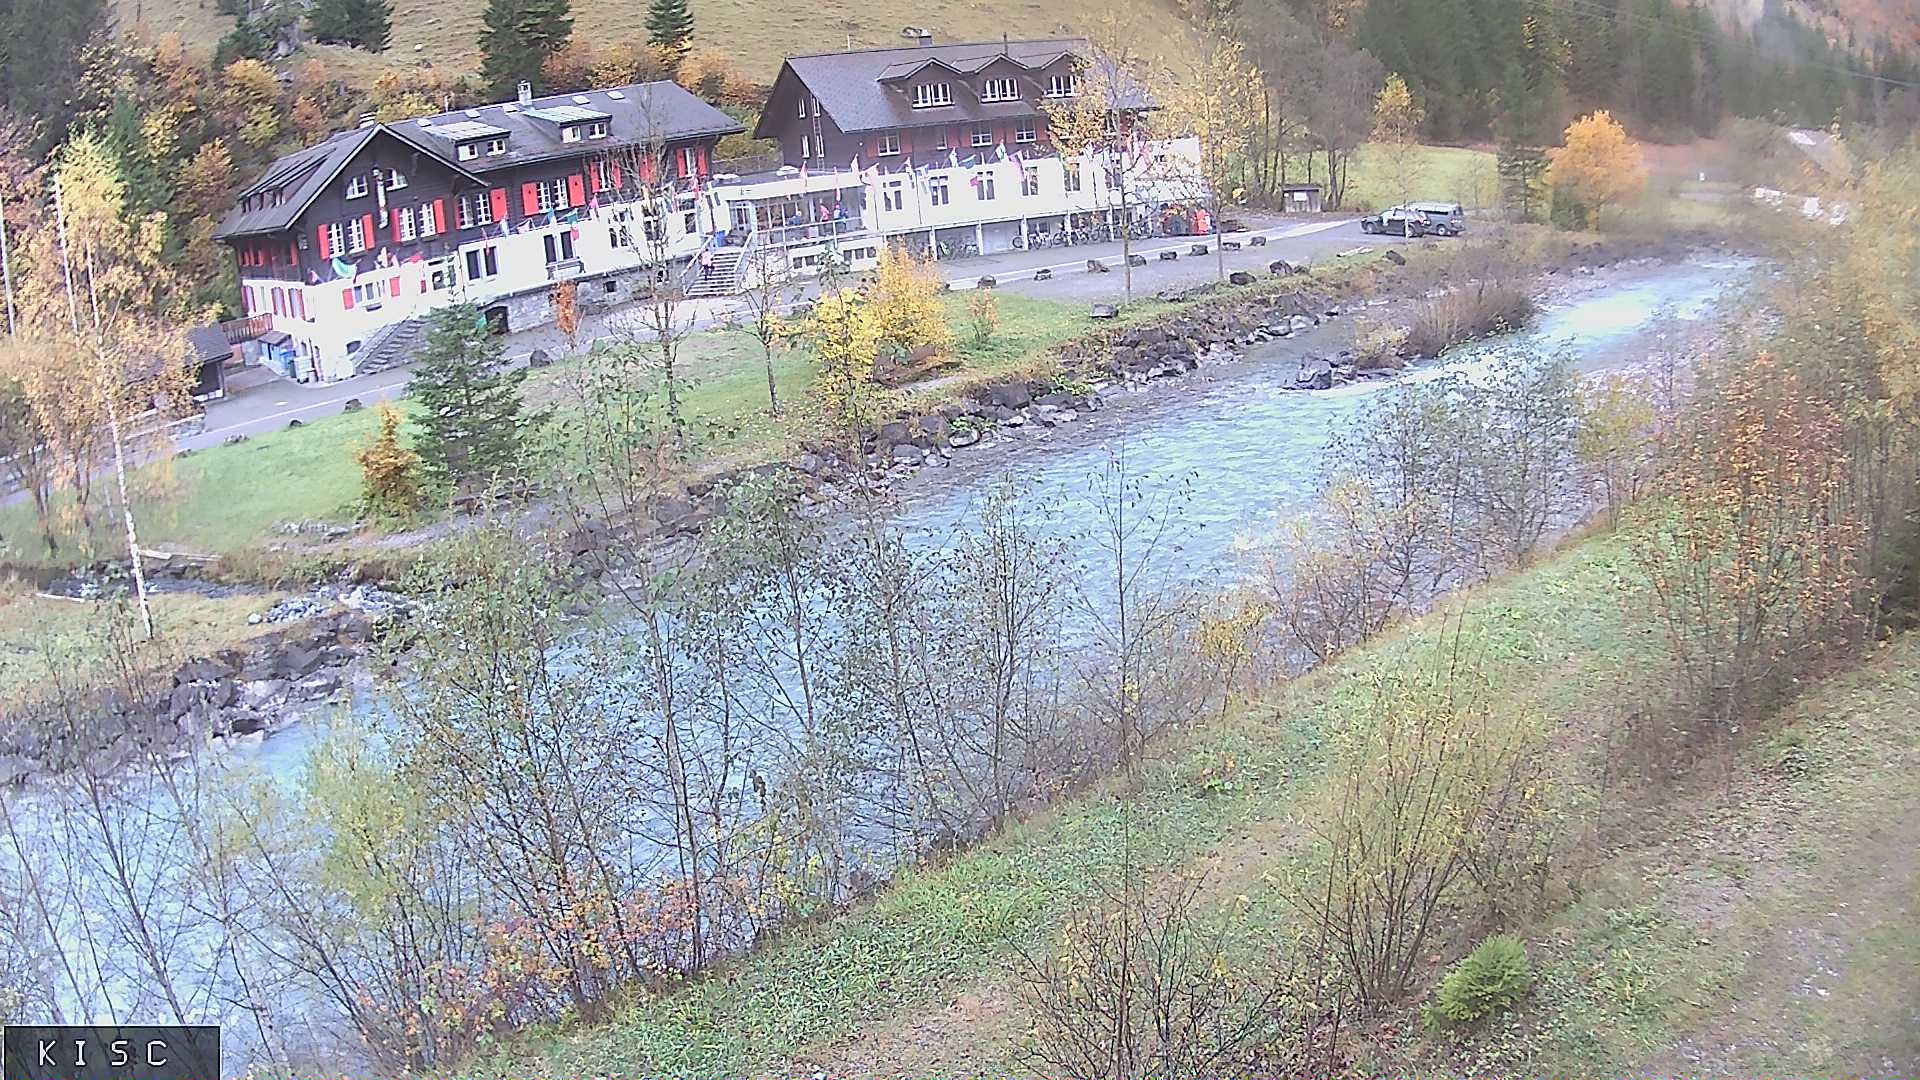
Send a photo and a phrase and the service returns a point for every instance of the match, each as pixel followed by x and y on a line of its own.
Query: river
pixel 1247 450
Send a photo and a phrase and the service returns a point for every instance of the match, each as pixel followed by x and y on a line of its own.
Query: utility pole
pixel 113 405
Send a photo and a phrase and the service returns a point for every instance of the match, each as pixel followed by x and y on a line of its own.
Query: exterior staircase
pixel 722 277
pixel 389 347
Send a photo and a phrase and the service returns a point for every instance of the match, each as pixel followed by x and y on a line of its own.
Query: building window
pixel 1072 170
pixel 602 175
pixel 803 106
pixel 982 135
pixel 940 141
pixel 1029 181
pixel 571 133
pixel 396 180
pixel 983 184
pixel 689 221
pixel 403 223
pixel 369 294
pixel 483 262
pixel 356 235
pixel 440 274
pixel 357 187
pixel 559 246
pixel 1000 90
pixel 476 209
pixel 806 148
pixel 937 192
pixel 333 238
pixel 927 95
pixel 552 194
pixel 1059 86
pixel 1025 131
pixel 620 229
pixel 497 146
pixel 893 196
pixel 468 151
pixel 430 223
pixel 887 145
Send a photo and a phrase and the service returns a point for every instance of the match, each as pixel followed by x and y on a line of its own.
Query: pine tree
pixel 366 23
pixel 517 38
pixel 670 29
pixel 472 424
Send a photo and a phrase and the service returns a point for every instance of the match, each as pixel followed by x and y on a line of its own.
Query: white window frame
pixel 396 180
pixel 932 95
pixel 690 160
pixel 893 195
pixel 1000 90
pixel 496 146
pixel 597 129
pixel 336 240
pixel 430 223
pixel 1071 171
pixel 1063 86
pixel 356 237
pixel 571 133
pixel 1026 131
pixel 404 221
pixel 888 145
pixel 943 142
pixel 467 151
pixel 803 106
pixel 476 210
pixel 551 194
pixel 938 191
pixel 983 191
pixel 1029 181
pixel 357 186
pixel 477 262
pixel 982 136
pixel 806 147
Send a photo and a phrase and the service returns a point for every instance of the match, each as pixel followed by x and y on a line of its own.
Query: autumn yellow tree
pixel 1094 128
pixel 1212 94
pixel 1397 116
pixel 389 471
pixel 1598 167
pixel 844 336
pixel 903 305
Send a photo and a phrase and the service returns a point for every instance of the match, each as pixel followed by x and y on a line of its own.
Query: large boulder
pixel 893 433
pixel 1013 395
pixel 298 660
pixel 1315 374
pixel 1240 277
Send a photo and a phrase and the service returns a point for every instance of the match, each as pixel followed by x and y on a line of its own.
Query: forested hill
pixel 1674 70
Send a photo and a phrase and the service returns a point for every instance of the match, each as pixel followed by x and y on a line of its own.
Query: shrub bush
pixel 1490 979
pixel 1466 314
pixel 1377 345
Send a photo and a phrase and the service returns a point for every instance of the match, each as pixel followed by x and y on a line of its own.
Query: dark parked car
pixel 1397 221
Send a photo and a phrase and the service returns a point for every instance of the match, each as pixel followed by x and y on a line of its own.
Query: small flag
pixel 953 159
pixel 1000 150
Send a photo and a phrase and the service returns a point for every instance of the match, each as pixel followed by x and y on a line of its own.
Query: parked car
pixel 1396 221
pixel 1443 219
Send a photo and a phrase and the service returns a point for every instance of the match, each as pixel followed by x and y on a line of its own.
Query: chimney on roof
pixel 368 119
pixel 920 35
pixel 526 92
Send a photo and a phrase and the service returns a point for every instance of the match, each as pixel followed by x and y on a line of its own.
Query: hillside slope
pixel 757 35
pixel 1756 914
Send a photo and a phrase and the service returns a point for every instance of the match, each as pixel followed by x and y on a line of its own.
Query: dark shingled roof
pixel 861 92
pixel 209 343
pixel 638 114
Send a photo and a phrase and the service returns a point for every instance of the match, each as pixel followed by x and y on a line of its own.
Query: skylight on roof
pixel 462 130
pixel 566 114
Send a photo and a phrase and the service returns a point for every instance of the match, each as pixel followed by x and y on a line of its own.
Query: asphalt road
pixel 258 401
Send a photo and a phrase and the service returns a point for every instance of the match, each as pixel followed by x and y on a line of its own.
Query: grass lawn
pixel 225 498
pixel 756 36
pixel 1438 174
pixel 1699 915
pixel 41 637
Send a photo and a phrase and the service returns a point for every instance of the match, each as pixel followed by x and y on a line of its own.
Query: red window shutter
pixel 647 170
pixel 366 229
pixel 703 161
pixel 325 251
pixel 616 175
pixel 396 226
pixel 498 199
pixel 439 216
pixel 576 192
pixel 346 298
pixel 394 289
pixel 293 255
pixel 529 199
pixel 593 177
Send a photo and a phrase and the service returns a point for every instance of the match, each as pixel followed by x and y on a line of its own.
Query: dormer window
pixel 928 95
pixel 575 132
pixel 1063 86
pixel 496 147
pixel 1000 90
pixel 357 187
pixel 469 151
pixel 396 180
